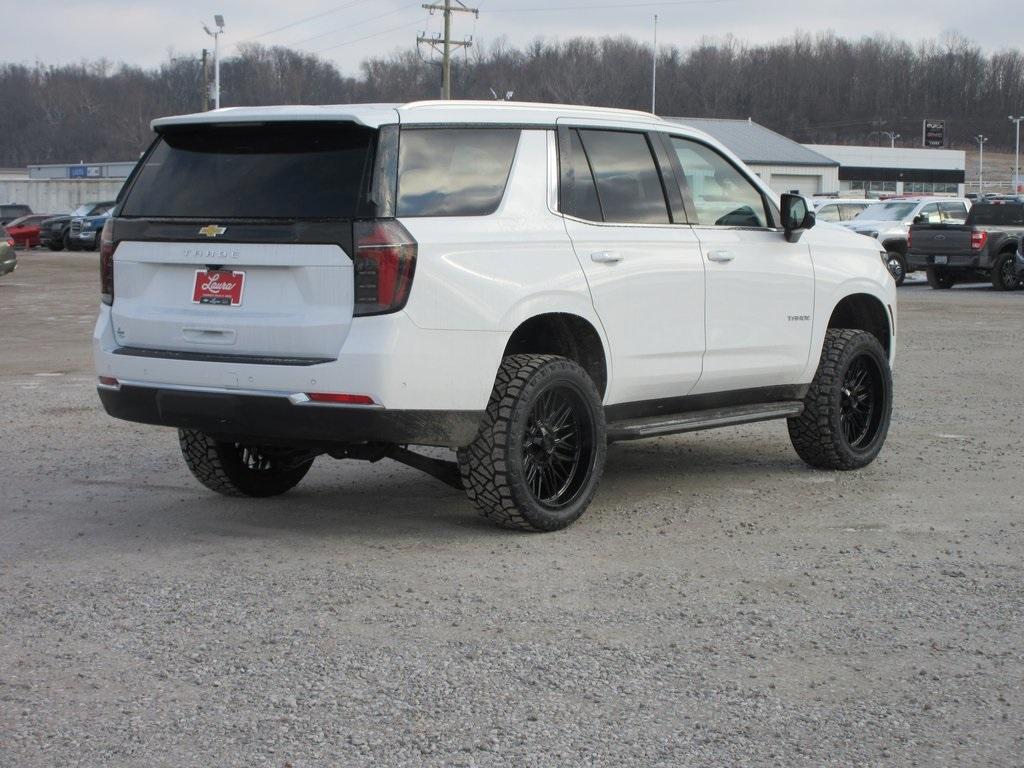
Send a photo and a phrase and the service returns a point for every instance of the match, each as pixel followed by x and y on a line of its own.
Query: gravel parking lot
pixel 719 605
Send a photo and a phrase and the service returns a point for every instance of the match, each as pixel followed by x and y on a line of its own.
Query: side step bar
pixel 693 421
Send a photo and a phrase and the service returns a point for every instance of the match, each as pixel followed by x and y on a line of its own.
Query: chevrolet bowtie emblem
pixel 212 230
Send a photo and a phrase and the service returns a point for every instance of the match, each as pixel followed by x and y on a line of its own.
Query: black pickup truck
pixel 980 249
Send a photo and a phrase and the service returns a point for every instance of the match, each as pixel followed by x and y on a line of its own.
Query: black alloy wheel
pixel 860 411
pixel 558 447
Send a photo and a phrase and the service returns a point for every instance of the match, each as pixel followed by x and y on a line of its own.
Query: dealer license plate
pixel 219 287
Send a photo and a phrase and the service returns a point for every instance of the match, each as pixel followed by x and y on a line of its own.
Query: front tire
pixel 939 279
pixel 233 469
pixel 70 245
pixel 537 460
pixel 1004 276
pixel 897 265
pixel 848 406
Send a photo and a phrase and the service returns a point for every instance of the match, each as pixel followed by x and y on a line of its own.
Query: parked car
pixel 982 248
pixel 835 210
pixel 84 231
pixel 888 222
pixel 25 230
pixel 12 211
pixel 8 258
pixel 521 283
pixel 54 232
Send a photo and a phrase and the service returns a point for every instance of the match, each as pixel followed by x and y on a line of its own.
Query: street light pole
pixel 654 65
pixel 892 138
pixel 1016 157
pixel 981 139
pixel 219 21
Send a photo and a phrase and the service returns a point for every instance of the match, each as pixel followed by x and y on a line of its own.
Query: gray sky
pixel 144 31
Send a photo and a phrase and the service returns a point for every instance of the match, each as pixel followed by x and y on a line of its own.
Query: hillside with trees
pixel 820 88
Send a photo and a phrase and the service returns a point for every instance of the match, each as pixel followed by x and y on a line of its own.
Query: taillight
pixel 978 240
pixel 107 248
pixel 385 260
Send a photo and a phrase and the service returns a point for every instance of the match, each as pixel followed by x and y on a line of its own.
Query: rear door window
pixel 278 171
pixel 627 179
pixel 828 212
pixel 454 171
pixel 953 213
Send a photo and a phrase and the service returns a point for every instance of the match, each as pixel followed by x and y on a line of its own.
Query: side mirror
pixel 920 219
pixel 796 216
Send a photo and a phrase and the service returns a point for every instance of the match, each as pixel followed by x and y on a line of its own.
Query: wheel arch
pixel 565 334
pixel 898 244
pixel 866 312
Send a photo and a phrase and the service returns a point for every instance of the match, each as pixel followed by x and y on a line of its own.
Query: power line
pixel 368 37
pixel 304 20
pixel 593 6
pixel 356 24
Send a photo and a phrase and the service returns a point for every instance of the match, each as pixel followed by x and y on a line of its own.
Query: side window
pixel 829 212
pixel 849 211
pixel 722 196
pixel 931 213
pixel 953 213
pixel 580 197
pixel 628 183
pixel 453 171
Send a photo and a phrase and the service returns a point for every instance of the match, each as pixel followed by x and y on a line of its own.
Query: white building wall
pixel 906 158
pixel 58 195
pixel 775 176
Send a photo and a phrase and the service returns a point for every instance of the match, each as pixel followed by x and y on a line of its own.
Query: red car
pixel 25 230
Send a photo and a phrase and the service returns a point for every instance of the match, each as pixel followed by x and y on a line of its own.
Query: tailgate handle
pixel 208 335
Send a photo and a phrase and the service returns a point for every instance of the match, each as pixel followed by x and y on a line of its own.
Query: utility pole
pixel 1016 157
pixel 446 43
pixel 654 65
pixel 981 139
pixel 206 81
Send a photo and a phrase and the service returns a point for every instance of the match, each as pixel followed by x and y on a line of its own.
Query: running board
pixel 635 429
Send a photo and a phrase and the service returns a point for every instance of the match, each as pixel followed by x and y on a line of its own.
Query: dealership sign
pixel 933 133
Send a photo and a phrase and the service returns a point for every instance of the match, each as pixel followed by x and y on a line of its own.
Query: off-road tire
pixel 901 271
pixel 1004 278
pixel 219 466
pixel 492 466
pixel 939 279
pixel 817 433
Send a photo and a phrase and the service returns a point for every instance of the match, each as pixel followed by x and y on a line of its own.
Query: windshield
pixel 887 211
pixel 278 171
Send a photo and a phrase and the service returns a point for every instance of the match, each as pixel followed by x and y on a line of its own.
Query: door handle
pixel 720 256
pixel 606 257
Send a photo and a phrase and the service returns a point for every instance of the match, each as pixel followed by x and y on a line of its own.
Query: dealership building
pixel 827 169
pixel 872 171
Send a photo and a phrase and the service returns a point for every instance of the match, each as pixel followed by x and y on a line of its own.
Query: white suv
pixel 522 283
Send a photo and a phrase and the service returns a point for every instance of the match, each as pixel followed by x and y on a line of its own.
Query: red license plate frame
pixel 218 287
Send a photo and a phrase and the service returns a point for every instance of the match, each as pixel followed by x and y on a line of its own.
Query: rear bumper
pixel 266 419
pixel 953 260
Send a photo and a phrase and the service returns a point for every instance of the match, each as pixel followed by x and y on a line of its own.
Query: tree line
pixel 814 88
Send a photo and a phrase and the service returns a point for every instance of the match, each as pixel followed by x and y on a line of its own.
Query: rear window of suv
pixel 279 171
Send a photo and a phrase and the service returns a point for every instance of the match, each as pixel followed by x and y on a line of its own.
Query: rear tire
pixel 232 469
pixel 897 265
pixel 537 460
pixel 1004 277
pixel 848 406
pixel 939 279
